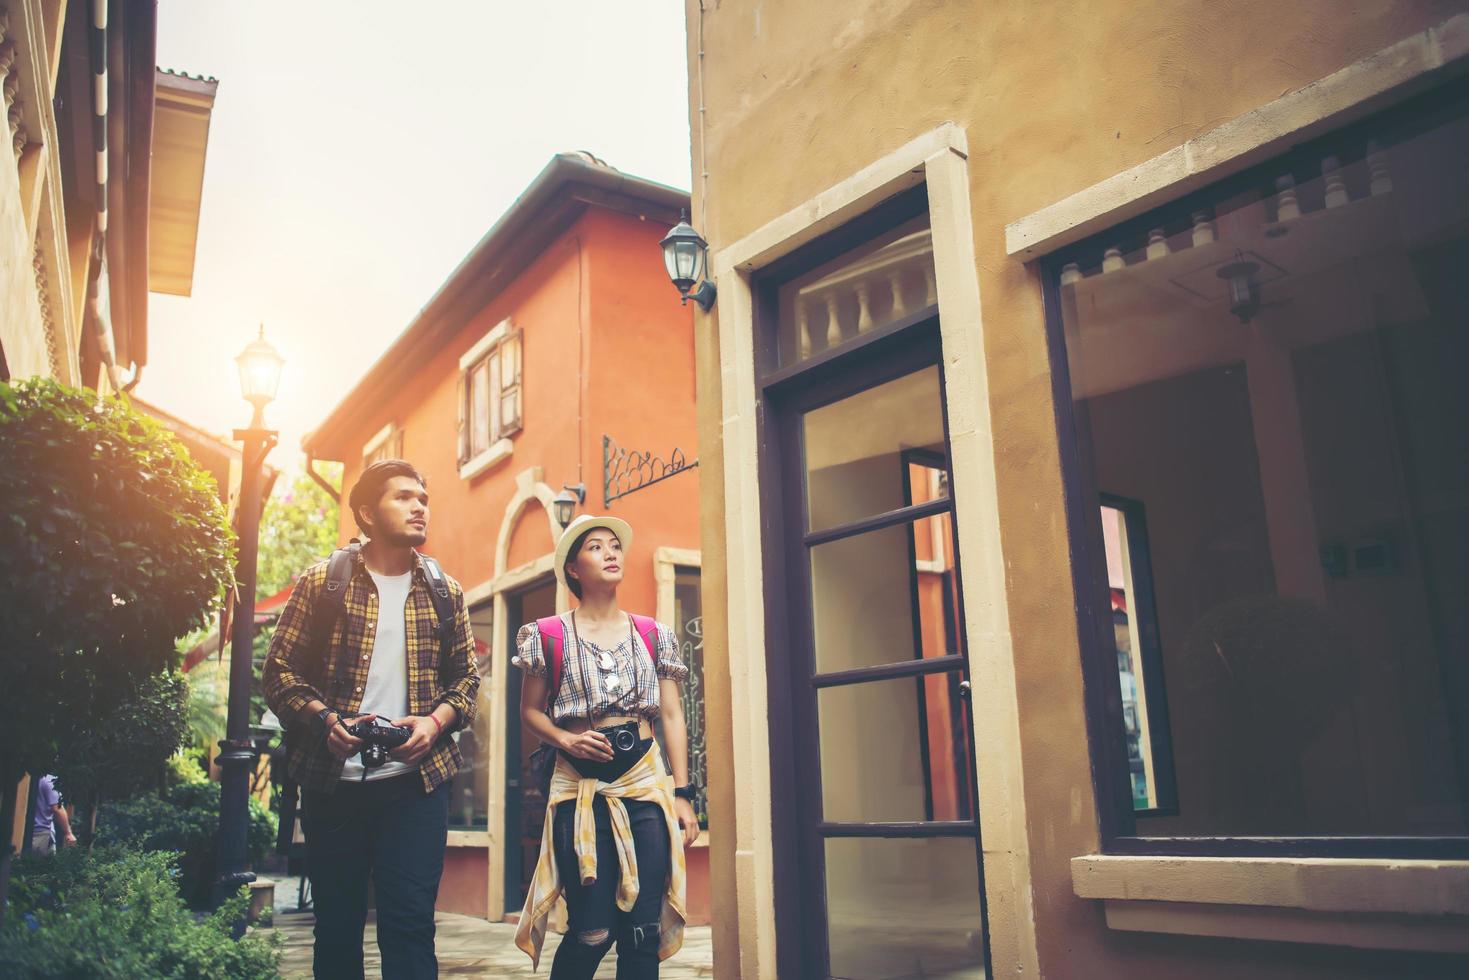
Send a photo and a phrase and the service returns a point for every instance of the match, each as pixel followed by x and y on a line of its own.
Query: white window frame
pixel 390 435
pixel 499 446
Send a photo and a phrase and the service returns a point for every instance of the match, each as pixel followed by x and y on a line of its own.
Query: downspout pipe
pixel 321 481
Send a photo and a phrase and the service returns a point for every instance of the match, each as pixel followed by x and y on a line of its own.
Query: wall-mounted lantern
pixel 686 255
pixel 565 502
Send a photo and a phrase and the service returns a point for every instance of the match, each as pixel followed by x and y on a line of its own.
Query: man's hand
pixel 338 742
pixel 684 810
pixel 70 839
pixel 426 732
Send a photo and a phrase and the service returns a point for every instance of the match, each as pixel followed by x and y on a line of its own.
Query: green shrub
pixel 114 543
pixel 116 914
pixel 185 819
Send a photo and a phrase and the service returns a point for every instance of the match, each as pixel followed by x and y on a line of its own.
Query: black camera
pixel 627 749
pixel 379 738
pixel 624 738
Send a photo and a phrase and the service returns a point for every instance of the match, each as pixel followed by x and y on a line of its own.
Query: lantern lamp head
pixel 1244 295
pixel 260 373
pixel 565 503
pixel 686 256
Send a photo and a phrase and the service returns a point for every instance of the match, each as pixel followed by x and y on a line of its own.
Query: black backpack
pixel 334 596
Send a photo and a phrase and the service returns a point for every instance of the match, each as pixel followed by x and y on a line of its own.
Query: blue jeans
pixel 395 833
pixel 594 921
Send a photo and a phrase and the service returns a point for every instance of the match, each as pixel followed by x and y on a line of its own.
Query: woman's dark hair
pixel 572 583
pixel 368 489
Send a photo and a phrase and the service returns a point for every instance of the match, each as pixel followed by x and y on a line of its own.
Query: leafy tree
pixel 298 528
pixel 124 752
pixel 113 543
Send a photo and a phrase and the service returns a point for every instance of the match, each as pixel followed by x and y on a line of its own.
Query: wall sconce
pixel 565 503
pixel 685 255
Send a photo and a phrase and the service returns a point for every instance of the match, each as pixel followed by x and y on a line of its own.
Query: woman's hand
pixel 588 745
pixel 687 821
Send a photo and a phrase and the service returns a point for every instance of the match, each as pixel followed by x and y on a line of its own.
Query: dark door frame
pixel 514 891
pixel 799 840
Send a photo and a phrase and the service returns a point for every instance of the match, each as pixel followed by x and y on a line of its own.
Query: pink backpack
pixel 553 638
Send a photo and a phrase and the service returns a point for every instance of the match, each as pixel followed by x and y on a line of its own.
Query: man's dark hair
pixel 572 584
pixel 368 489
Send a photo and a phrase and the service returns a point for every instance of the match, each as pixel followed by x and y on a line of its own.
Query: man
pixel 49 815
pixel 381 663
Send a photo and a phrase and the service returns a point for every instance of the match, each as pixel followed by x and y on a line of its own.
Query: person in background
pixel 50 816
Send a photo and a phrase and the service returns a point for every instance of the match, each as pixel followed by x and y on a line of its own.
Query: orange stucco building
pixel 554 343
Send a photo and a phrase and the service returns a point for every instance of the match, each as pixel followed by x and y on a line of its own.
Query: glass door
pixel 888 830
pixel 525 805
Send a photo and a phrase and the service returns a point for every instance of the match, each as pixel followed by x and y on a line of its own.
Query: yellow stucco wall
pixel 1053 97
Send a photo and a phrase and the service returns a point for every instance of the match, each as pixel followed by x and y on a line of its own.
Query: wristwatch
pixel 689 792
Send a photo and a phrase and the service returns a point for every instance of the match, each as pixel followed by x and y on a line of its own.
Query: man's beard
pixel 404 539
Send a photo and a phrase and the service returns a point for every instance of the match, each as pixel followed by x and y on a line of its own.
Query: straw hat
pixel 582 525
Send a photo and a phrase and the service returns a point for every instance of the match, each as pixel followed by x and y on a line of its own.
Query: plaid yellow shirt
pixel 290 682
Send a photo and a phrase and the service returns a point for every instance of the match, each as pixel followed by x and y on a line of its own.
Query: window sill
pixel 497 453
pixel 469 838
pixel 1384 904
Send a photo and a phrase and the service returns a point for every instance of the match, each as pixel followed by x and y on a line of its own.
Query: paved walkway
pixel 469 947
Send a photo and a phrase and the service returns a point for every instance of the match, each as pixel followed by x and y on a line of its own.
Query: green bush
pixel 116 914
pixel 185 818
pixel 114 543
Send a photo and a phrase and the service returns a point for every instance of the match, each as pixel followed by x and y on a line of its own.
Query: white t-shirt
pixel 387 673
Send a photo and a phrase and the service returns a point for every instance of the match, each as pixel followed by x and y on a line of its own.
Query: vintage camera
pixel 379 738
pixel 624 738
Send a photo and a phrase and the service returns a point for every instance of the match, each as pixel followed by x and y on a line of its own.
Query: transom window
pixel 1264 417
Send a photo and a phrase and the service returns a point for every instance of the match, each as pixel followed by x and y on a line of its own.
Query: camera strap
pixel 553 645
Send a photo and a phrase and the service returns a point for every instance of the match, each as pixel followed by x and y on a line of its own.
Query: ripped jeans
pixel 594 922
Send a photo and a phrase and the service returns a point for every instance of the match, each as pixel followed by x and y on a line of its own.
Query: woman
pixel 616 821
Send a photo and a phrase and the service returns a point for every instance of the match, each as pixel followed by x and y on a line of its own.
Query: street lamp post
pixel 260 371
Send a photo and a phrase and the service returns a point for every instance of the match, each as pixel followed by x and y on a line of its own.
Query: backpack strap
pixel 553 640
pixel 438 592
pixel 647 628
pixel 329 606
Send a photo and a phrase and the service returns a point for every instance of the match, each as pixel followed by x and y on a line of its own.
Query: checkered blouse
pixel 600 681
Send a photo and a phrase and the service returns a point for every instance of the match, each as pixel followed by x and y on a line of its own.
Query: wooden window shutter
pixel 511 419
pixel 461 397
pixel 492 394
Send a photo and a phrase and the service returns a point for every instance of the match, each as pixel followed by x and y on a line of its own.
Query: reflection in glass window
pixel 904 908
pixel 1139 669
pixel 470 795
pixel 689 626
pixel 1278 381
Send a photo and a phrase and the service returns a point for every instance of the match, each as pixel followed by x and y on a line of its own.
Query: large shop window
pixel 469 802
pixel 689 627
pixel 1266 432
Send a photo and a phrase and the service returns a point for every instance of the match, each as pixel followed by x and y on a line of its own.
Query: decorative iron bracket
pixel 626 471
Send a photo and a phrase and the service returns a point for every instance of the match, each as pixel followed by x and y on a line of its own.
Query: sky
pixel 357 152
